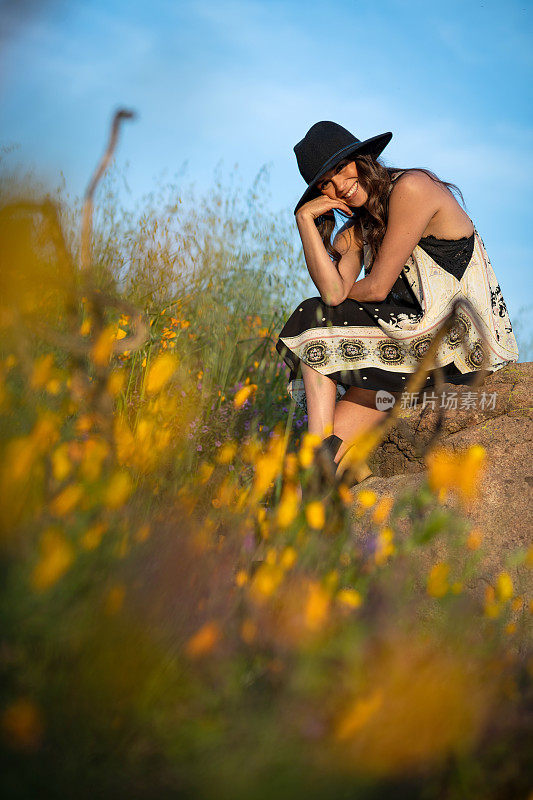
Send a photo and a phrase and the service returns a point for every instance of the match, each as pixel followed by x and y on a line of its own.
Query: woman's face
pixel 342 183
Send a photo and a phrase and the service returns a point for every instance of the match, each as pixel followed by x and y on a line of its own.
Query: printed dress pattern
pixel 377 345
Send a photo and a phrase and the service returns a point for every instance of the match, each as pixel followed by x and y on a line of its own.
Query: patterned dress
pixel 378 345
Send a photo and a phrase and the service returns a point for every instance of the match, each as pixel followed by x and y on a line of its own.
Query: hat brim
pixel 373 146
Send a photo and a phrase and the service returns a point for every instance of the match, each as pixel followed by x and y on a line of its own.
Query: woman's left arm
pixel 413 201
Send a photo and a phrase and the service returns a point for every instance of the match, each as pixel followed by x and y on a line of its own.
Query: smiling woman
pixel 420 252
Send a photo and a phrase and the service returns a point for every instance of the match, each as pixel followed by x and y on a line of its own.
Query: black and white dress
pixel 377 345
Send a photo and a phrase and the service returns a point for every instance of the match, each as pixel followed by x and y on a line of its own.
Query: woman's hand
pixel 332 280
pixel 319 206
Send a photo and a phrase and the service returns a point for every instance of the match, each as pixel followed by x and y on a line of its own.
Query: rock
pixel 501 420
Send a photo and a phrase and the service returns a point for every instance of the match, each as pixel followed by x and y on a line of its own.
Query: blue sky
pixel 243 81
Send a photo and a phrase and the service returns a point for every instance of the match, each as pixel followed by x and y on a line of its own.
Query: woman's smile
pixel 352 191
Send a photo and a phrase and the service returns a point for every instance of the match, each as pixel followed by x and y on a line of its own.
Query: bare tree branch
pixel 86 225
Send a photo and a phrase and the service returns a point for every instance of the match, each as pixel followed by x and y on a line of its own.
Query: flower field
pixel 184 614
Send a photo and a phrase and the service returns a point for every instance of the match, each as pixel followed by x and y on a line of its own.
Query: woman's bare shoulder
pixel 415 182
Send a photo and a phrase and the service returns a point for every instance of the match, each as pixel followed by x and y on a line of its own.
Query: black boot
pixel 325 462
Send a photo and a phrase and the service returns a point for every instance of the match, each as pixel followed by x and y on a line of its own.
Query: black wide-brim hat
pixel 325 144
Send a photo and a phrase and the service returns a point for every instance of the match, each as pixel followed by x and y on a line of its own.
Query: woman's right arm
pixel 332 281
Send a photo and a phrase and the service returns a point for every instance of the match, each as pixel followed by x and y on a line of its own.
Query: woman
pixel 420 251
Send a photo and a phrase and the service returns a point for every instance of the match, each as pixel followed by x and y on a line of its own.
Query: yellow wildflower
pixel 384 545
pixel 118 490
pixel 93 536
pixel 142 533
pixel 22 724
pixel 61 463
pixel 84 423
pixel 205 471
pixel 345 494
pixel 437 584
pixel 203 641
pixel 243 394
pixel 95 452
pixel 350 598
pixel 267 468
pixel 265 582
pixel 492 606
pixel 248 631
pixel 315 515
pixel 241 578
pixel 225 495
pixel 42 370
pixel 291 466
pixel 366 498
pixel 459 471
pixel 317 607
pixel 53 386
pixel 288 558
pixel 510 628
pixel 227 453
pixel 358 714
pixel 115 599
pixel 103 347
pixel 288 507
pixel 382 510
pixel 251 451
pixel 115 383
pixel 66 501
pixel 310 442
pixel 504 586
pixel 56 556
pixel 475 538
pixel 161 372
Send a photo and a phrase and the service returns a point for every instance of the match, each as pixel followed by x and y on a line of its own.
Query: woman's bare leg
pixel 355 413
pixel 320 393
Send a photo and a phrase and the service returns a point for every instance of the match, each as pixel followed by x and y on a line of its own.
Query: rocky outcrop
pixel 497 415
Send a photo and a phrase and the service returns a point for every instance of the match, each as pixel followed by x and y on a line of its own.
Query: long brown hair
pixel 375 179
